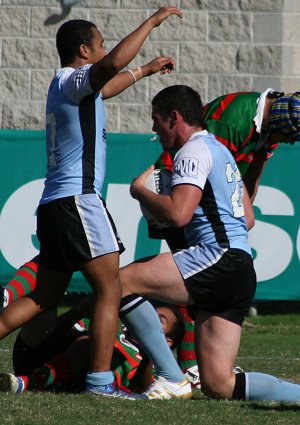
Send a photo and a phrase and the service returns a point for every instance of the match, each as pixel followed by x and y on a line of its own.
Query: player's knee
pixel 218 386
pixel 125 280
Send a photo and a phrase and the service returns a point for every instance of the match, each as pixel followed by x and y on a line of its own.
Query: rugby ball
pixel 159 181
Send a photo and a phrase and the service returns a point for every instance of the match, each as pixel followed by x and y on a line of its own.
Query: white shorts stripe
pixel 87 229
pixel 197 258
pixel 98 228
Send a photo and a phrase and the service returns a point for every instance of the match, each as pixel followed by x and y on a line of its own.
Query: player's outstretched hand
pixel 163 13
pixel 139 182
pixel 162 64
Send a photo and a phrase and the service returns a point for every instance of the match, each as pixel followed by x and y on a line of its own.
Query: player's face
pixel 167 318
pixel 163 128
pixel 96 47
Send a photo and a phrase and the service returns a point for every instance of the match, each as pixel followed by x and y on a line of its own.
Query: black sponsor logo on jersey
pixel 186 167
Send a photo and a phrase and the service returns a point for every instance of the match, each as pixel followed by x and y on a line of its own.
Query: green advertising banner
pixel 275 239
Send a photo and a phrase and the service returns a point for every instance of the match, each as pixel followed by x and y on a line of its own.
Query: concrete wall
pixel 220 46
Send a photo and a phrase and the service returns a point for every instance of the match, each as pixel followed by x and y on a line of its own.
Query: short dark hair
pixel 70 36
pixel 183 99
pixel 176 333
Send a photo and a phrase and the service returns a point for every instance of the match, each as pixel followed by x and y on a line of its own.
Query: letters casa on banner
pixel 275 239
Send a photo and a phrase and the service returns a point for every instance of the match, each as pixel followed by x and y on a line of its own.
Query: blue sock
pixel 99 378
pixel 260 386
pixel 143 323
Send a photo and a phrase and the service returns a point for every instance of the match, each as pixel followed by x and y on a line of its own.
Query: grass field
pixel 269 344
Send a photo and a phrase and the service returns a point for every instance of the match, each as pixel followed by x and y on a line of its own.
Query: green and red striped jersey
pixel 230 119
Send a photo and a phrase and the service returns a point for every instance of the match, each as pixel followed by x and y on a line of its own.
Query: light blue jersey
pixel 218 221
pixel 75 132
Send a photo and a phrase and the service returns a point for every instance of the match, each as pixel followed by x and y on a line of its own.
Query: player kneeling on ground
pixel 215 273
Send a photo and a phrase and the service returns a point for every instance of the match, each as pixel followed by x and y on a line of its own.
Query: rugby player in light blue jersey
pixel 214 275
pixel 74 227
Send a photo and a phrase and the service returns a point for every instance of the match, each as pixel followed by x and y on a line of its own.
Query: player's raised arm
pixel 124 79
pixel 103 70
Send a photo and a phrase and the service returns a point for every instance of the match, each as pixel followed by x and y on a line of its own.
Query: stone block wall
pixel 220 46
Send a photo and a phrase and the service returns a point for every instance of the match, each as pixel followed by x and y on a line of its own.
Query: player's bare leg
pixel 155 277
pixel 217 343
pixel 103 275
pixel 44 297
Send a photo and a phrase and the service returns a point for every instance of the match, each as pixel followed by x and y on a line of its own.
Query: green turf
pixel 269 343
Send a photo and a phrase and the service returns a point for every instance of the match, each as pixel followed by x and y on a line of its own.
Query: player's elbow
pixel 179 219
pixel 114 63
pixel 102 72
pixel 250 222
pixel 250 219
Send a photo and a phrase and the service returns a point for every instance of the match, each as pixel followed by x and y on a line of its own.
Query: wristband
pixel 136 74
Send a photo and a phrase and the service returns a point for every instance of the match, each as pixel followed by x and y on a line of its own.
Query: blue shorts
pixel 74 230
pixel 221 282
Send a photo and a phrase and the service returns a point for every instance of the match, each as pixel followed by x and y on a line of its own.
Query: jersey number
pixel 237 195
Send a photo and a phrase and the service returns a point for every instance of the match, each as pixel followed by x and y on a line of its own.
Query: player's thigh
pixel 217 343
pixel 155 277
pixel 102 271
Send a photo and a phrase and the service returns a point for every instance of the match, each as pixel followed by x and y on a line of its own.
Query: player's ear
pixel 83 51
pixel 173 117
pixel 169 341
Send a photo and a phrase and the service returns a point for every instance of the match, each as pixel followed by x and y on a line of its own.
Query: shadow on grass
pixel 282 407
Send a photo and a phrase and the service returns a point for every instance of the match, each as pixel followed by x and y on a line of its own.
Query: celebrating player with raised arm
pixel 74 227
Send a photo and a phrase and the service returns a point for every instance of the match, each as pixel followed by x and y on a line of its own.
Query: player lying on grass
pixel 36 333
pixel 61 360
pixel 133 312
